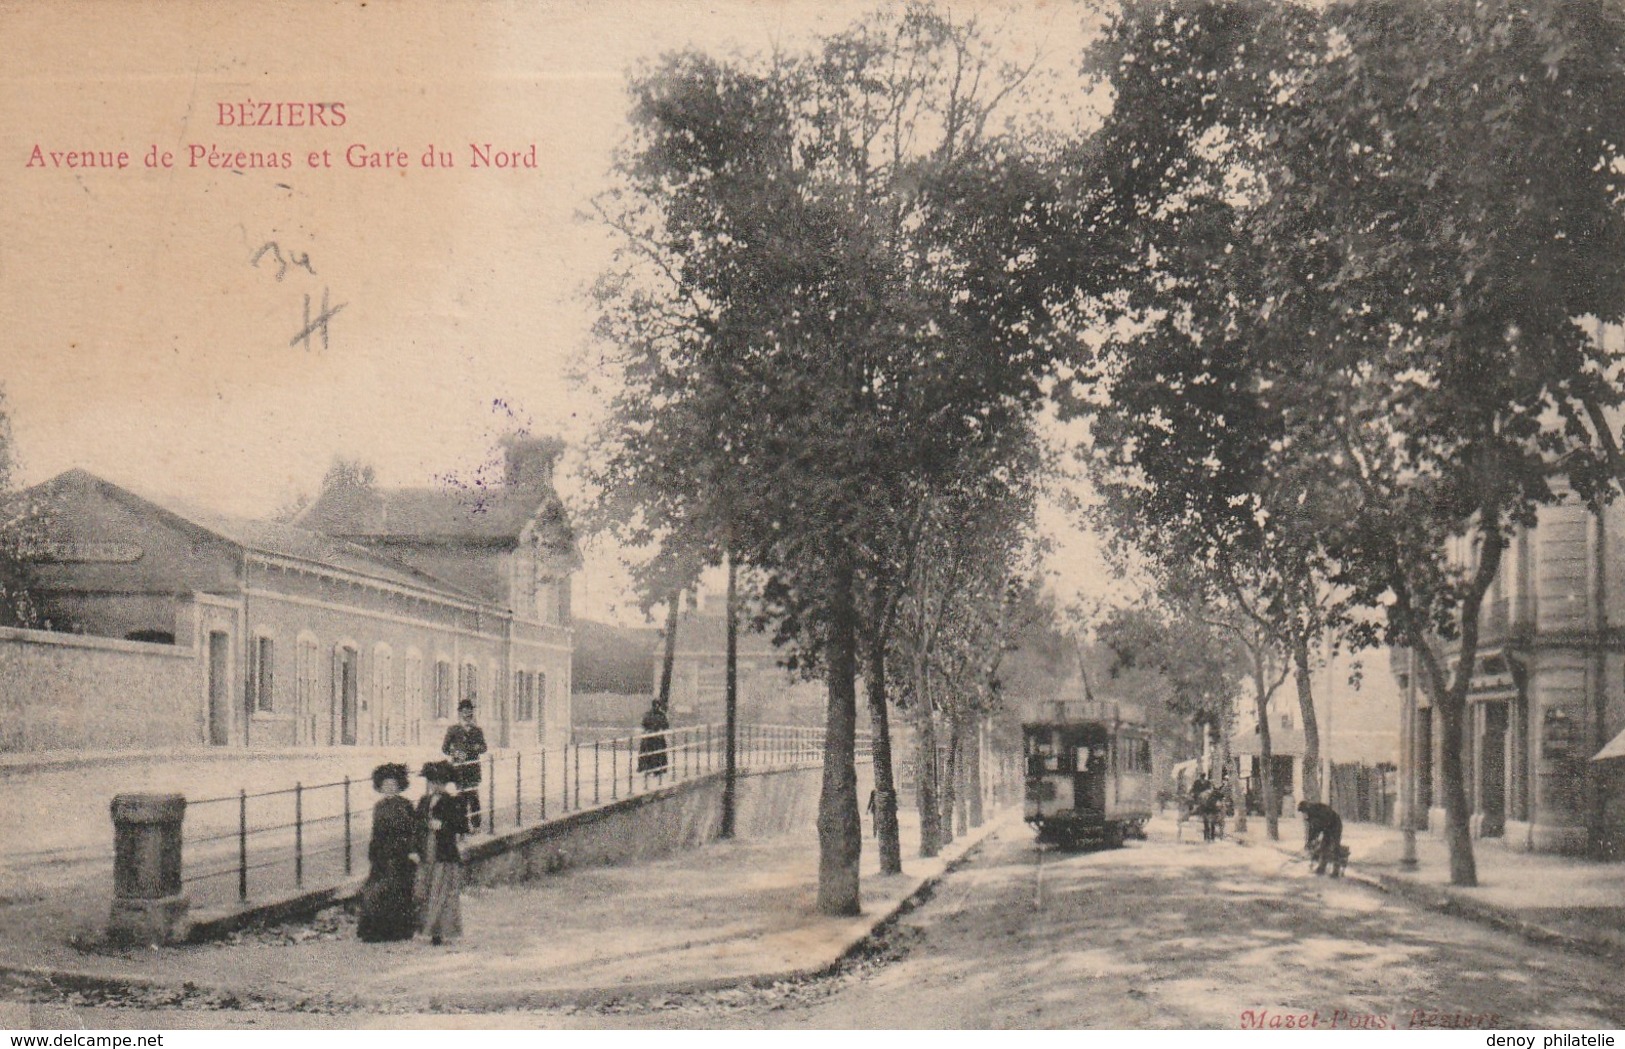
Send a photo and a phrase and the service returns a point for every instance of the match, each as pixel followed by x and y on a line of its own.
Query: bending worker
pixel 1323 833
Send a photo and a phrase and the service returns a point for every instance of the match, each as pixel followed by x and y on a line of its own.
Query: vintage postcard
pixel 604 514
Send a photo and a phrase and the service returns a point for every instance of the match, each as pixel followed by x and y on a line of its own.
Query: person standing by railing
pixel 464 744
pixel 388 911
pixel 440 879
pixel 652 757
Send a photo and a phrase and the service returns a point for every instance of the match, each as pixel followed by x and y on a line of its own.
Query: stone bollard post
pixel 148 905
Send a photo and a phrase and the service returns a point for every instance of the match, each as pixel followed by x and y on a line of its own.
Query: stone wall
pixel 75 692
pixel 685 816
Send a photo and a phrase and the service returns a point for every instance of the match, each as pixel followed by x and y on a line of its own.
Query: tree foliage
pixel 822 305
pixel 1354 248
pixel 24 532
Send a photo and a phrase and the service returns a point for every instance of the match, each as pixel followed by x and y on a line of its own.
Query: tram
pixel 1088 774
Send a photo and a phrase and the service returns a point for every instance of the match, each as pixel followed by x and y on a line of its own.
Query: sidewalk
pixel 62 844
pixel 1562 900
pixel 731 913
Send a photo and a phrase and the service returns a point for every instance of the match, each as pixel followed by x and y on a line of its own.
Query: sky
pixel 163 295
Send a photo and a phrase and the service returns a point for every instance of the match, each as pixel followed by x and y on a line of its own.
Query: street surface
pixel 1161 934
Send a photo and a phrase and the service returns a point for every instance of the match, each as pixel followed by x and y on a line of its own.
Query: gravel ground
pixel 1157 935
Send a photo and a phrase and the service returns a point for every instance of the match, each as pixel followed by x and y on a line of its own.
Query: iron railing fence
pixel 271 842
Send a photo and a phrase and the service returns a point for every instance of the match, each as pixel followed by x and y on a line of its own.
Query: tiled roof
pixel 276 539
pixel 476 514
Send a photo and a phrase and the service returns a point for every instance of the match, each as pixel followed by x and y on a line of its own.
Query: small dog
pixel 1340 861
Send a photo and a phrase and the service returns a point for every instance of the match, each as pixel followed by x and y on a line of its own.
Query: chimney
pixel 529 461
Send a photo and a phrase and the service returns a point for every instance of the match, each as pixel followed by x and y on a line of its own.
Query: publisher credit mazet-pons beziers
pixel 1416 1019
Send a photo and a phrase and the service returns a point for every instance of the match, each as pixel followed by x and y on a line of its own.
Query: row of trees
pixel 1360 251
pixel 1316 281
pixel 823 346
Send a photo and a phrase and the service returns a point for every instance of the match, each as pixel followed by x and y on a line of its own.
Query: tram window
pixel 1042 758
pixel 1042 761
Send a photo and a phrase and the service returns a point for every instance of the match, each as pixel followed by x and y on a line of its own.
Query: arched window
pixel 443 696
pixel 386 717
pixel 412 696
pixel 524 695
pixel 262 674
pixel 306 681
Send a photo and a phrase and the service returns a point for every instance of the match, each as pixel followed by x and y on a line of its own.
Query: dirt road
pixel 1161 934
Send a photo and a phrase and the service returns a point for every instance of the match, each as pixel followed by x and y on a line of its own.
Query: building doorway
pixel 220 709
pixel 1492 771
pixel 344 695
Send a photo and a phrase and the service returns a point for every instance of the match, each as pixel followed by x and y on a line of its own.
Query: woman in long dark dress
pixel 440 880
pixel 388 911
pixel 652 747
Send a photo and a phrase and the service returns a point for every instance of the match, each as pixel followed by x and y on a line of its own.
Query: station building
pixel 362 624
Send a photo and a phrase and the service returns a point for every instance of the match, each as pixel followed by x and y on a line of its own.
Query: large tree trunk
pixel 949 781
pixel 962 781
pixel 1457 816
pixel 1451 703
pixel 1458 828
pixel 973 773
pixel 1311 727
pixel 886 830
pixel 669 658
pixel 730 757
pixel 1451 700
pixel 840 824
pixel 925 772
pixel 1228 763
pixel 1266 761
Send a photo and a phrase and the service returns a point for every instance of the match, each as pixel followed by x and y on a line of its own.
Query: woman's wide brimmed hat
pixel 397 772
pixel 439 772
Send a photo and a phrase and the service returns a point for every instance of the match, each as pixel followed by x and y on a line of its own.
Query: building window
pixel 304 688
pixel 386 722
pixel 261 675
pixel 413 699
pixel 524 695
pixel 442 690
pixel 1286 719
pixel 540 686
pixel 468 684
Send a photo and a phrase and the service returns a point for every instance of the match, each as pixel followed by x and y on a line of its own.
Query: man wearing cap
pixel 464 744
